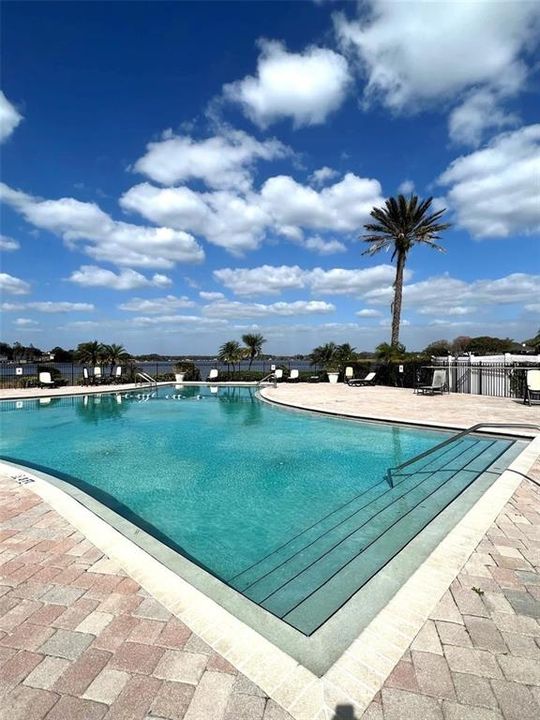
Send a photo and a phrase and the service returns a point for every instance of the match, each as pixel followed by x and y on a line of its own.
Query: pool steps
pixel 307 579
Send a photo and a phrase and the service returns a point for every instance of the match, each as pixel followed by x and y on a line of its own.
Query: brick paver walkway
pixel 79 640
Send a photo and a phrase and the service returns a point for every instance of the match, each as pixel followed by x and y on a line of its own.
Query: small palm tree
pixel 324 355
pixel 345 353
pixel 230 353
pixel 253 343
pixel 389 353
pixel 401 224
pixel 115 354
pixel 90 353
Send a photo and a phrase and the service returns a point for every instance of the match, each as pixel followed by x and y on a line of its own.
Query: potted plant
pixel 180 371
pixel 333 373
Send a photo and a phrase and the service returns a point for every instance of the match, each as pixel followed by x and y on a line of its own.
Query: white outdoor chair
pixel 294 376
pixel 532 386
pixel 278 374
pixel 349 373
pixel 212 375
pixel 45 380
pixel 438 384
pixel 362 382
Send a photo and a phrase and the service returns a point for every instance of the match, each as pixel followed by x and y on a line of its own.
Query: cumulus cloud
pixel 240 223
pixel 305 86
pixel 223 161
pixel 495 190
pixel 85 226
pixel 416 58
pixel 235 309
pixel 94 276
pixel 323 175
pixel 156 305
pixel 192 321
pixel 478 113
pixel 437 295
pixel 323 247
pixel 49 306
pixel 272 280
pixel 211 296
pixel 9 117
pixel 25 322
pixel 368 313
pixel 223 217
pixel 7 244
pixel 13 285
pixel 406 187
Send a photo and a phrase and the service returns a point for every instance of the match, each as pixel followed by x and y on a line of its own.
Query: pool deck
pixel 81 640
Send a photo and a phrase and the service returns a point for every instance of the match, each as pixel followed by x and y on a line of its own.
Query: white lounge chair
pixel 98 375
pixel 438 384
pixel 532 386
pixel 118 373
pixel 86 376
pixel 349 373
pixel 278 374
pixel 362 382
pixel 294 376
pixel 212 375
pixel 45 380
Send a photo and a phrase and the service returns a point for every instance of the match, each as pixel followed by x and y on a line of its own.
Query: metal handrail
pixel 271 377
pixel 460 435
pixel 147 378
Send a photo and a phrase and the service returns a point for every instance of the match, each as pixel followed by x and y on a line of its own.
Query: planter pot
pixel 179 377
pixel 333 377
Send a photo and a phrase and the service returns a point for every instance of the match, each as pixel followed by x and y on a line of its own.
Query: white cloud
pixel 211 296
pixel 495 190
pixel 272 280
pixel 101 237
pixel 189 320
pixel 240 223
pixel 305 86
pixel 533 308
pixel 9 117
pixel 414 55
pixel 437 295
pixel 13 285
pixel 322 246
pixel 49 306
pixel 223 217
pixel 94 276
pixel 25 322
pixel 223 161
pixel 478 113
pixel 156 305
pixel 406 187
pixel 368 313
pixel 7 244
pixel 323 175
pixel 234 309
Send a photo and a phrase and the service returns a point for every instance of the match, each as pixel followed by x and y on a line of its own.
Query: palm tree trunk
pixel 398 293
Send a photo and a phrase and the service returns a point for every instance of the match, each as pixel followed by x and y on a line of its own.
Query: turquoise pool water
pixel 288 508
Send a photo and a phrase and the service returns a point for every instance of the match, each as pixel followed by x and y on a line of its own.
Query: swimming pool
pixel 292 510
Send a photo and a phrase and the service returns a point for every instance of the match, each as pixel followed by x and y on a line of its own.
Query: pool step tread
pixel 290 582
pixel 260 569
pixel 413 489
pixel 316 607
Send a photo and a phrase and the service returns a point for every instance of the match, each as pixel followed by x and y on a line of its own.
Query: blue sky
pixel 177 174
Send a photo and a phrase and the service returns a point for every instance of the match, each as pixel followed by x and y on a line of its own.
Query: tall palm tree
pixel 90 352
pixel 230 353
pixel 401 224
pixel 115 354
pixel 253 343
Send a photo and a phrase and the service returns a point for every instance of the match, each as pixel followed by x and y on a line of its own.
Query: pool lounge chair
pixel 86 376
pixel 45 380
pixel 294 376
pixel 348 375
pixel 212 375
pixel 117 377
pixel 278 374
pixel 438 384
pixel 362 382
pixel 532 386
pixel 98 376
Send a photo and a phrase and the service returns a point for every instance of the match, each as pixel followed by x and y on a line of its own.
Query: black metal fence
pixel 487 378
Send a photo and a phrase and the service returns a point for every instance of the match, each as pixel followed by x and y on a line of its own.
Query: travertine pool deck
pixel 452 410
pixel 80 639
